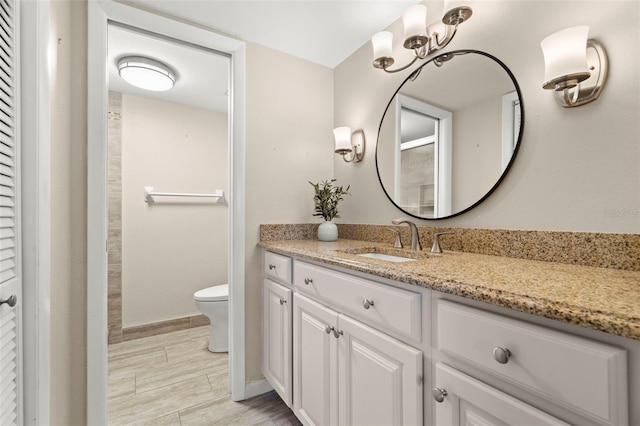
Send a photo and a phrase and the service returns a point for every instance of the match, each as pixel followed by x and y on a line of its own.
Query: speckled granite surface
pixel 617 251
pixel 603 299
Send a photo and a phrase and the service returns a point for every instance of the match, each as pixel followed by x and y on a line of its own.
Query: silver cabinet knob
pixel 282 301
pixel 501 355
pixel 272 266
pixel 11 301
pixel 328 329
pixel 366 303
pixel 308 281
pixel 438 394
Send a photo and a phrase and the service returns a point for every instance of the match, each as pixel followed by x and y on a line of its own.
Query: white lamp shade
pixel 436 27
pixel 342 139
pixel 382 44
pixel 452 4
pixel 565 54
pixel 415 20
pixel 146 73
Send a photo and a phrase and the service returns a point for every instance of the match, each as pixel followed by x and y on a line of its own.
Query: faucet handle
pixel 398 242
pixel 435 248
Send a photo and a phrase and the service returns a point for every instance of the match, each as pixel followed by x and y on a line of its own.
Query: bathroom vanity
pixel 457 338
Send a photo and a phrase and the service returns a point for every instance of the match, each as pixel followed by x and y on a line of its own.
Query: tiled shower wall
pixel 114 199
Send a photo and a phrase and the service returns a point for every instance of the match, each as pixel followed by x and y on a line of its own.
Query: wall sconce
pixel 347 142
pixel 575 67
pixel 418 37
pixel 146 73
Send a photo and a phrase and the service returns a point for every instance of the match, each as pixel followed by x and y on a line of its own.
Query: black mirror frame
pixel 515 150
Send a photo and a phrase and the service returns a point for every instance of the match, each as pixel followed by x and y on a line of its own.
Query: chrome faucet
pixel 435 248
pixel 415 238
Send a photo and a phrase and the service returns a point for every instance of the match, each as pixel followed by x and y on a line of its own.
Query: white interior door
pixel 10 278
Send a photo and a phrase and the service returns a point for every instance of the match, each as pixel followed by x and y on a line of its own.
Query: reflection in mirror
pixel 449 134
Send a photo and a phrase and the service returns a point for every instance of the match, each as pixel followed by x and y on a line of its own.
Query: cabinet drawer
pixel 586 376
pixel 278 267
pixel 388 308
pixel 462 400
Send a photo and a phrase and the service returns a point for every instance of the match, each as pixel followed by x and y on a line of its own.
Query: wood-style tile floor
pixel 172 379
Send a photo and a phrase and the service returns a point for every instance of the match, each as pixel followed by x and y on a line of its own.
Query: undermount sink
pixel 386 253
pixel 387 257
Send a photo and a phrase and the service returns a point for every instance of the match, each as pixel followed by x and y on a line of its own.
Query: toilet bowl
pixel 214 303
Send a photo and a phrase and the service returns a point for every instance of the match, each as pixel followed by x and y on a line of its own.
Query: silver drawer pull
pixel 438 394
pixel 308 281
pixel 272 266
pixel 366 303
pixel 11 301
pixel 328 329
pixel 282 301
pixel 501 355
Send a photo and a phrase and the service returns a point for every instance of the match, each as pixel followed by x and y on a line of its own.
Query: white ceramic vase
pixel 328 231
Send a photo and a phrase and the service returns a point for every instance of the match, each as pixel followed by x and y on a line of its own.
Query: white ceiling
pixel 202 77
pixel 325 32
pixel 321 31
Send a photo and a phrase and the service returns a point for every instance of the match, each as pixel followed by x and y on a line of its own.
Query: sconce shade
pixel 342 140
pixel 436 27
pixel 565 58
pixel 415 21
pixel 453 4
pixel 146 73
pixel 456 12
pixel 382 44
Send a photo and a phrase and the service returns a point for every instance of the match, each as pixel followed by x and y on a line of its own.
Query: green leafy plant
pixel 327 196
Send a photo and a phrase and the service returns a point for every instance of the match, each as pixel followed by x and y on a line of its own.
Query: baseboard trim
pixel 257 388
pixel 153 329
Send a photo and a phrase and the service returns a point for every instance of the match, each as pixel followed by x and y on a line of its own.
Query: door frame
pixel 35 194
pixel 99 13
pixel 443 150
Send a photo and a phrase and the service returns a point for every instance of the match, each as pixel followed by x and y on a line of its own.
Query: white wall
pixel 177 245
pixel 68 213
pixel 577 169
pixel 289 141
pixel 477 152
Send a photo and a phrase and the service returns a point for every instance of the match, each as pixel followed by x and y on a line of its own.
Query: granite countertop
pixel 598 298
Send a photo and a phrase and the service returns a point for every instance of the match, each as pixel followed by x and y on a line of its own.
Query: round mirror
pixel 449 134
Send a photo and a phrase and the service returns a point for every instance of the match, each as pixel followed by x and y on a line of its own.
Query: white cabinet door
pixel 277 366
pixel 462 400
pixel 315 369
pixel 380 378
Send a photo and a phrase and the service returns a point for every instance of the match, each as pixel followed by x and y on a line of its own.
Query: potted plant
pixel 326 198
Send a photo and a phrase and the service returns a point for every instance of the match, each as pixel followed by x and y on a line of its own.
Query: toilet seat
pixel 218 293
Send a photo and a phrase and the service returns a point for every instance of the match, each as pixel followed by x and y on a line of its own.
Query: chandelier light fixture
pixel 422 39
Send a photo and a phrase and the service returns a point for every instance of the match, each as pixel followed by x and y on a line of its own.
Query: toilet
pixel 214 303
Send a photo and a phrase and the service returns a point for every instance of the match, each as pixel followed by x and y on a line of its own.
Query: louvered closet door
pixel 10 280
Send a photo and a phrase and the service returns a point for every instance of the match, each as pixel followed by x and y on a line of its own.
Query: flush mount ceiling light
pixel 422 39
pixel 146 73
pixel 576 67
